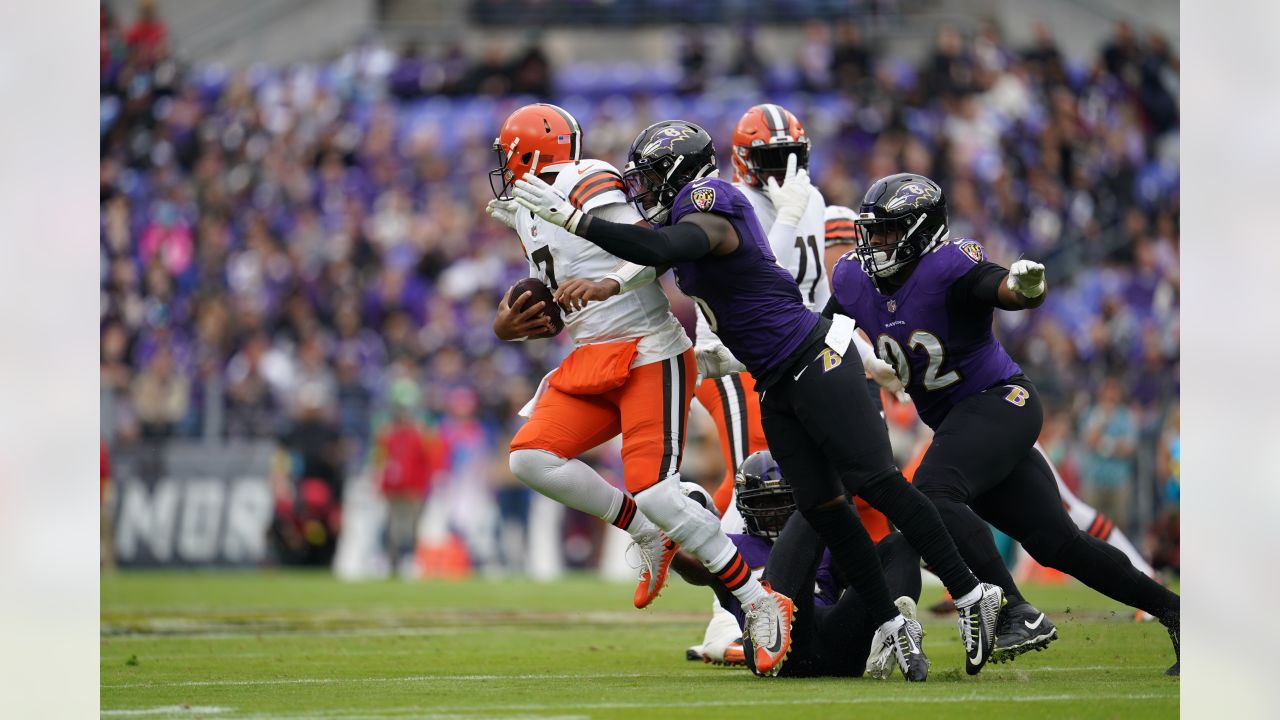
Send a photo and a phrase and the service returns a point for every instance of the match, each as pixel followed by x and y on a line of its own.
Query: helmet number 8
pixel 891 352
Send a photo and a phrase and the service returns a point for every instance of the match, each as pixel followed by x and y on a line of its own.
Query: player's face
pixel 883 236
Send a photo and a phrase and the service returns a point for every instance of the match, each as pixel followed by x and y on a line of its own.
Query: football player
pixel 631 372
pixel 929 300
pixel 832 632
pixel 818 420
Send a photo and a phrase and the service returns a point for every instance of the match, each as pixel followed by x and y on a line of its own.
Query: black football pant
pixel 830 443
pixel 831 640
pixel 982 465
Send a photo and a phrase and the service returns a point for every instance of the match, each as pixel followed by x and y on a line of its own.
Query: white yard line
pixel 179 710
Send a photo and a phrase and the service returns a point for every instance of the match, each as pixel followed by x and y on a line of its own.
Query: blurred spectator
pixel 851 60
pixel 693 63
pixel 1110 435
pixel 747 62
pixel 160 396
pixel 407 456
pixel 816 58
pixel 147 35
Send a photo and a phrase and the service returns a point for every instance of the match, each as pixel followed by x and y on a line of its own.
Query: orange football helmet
pixel 764 137
pixel 535 136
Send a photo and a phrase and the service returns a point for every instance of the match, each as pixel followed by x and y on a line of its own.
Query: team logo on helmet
pixel 703 198
pixel 972 249
pixel 911 195
pixel 665 138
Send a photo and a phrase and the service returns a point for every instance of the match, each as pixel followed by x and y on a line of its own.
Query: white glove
pixel 792 197
pixel 547 202
pixel 504 211
pixel 1026 278
pixel 884 375
pixel 716 361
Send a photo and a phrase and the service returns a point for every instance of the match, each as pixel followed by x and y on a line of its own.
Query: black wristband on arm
pixel 645 246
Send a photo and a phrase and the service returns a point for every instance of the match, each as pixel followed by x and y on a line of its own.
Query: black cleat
pixel 908 650
pixel 1171 623
pixel 1022 628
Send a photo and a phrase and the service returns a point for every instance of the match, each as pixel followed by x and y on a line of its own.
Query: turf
pixel 303 645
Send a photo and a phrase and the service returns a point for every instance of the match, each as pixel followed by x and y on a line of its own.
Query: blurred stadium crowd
pixel 280 246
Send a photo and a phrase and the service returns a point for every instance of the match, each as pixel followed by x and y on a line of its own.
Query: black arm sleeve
pixel 831 308
pixel 644 246
pixel 981 285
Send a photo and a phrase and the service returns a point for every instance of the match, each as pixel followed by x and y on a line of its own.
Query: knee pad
pixel 532 467
pixel 679 516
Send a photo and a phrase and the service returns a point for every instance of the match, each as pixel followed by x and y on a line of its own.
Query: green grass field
pixel 303 645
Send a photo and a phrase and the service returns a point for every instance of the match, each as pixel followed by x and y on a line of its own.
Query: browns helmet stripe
pixel 576 133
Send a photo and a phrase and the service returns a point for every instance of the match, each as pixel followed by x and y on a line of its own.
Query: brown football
pixel 538 292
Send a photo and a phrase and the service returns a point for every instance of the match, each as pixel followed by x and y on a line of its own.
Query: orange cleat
pixel 656 553
pixel 769 630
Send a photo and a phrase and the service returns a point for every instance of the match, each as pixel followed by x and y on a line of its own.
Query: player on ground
pixel 930 301
pixel 820 424
pixel 832 631
pixel 632 372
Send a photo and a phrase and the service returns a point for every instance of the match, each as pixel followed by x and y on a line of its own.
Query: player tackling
pixel 632 372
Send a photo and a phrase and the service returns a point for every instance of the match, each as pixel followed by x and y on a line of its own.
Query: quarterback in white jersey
pixel 632 370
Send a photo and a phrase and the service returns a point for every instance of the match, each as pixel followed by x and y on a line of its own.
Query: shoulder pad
pixel 589 183
pixel 840 229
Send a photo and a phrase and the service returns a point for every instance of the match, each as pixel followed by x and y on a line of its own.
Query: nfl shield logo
pixel 893 306
pixel 703 198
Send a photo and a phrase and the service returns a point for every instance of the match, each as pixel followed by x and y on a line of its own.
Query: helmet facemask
pixel 653 185
pixel 503 177
pixel 888 245
pixel 765 161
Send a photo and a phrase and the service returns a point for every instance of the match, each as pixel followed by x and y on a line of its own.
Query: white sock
pixel 569 482
pixel 889 627
pixel 970 597
pixel 639 526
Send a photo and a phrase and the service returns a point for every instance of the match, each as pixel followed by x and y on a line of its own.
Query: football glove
pixel 504 211
pixel 1026 278
pixel 546 202
pixel 884 375
pixel 716 361
pixel 792 197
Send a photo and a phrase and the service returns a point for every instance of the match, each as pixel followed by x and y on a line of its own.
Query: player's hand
pixel 504 211
pixel 716 361
pixel 792 196
pixel 573 295
pixel 546 202
pixel 529 322
pixel 884 375
pixel 1026 278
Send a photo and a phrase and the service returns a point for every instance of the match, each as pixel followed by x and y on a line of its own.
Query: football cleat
pixel 1171 623
pixel 977 624
pixel 768 630
pixel 656 553
pixel 881 661
pixel 693 652
pixel 1022 628
pixel 907 644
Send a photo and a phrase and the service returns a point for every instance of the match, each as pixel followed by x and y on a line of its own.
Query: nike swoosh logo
pixel 1036 624
pixel 977 655
pixel 797 375
pixel 777 639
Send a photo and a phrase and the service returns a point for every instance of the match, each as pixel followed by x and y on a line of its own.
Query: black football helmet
pixel 763 495
pixel 664 158
pixel 902 217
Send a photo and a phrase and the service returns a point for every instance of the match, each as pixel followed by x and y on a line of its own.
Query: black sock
pixel 973 538
pixel 1109 571
pixel 855 556
pixel 917 519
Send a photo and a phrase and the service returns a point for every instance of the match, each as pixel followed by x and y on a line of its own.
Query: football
pixel 540 292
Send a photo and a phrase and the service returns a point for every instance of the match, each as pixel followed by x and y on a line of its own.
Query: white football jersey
pixel 801 254
pixel 556 255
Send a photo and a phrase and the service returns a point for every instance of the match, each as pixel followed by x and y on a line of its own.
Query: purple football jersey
pixel 943 353
pixel 755 553
pixel 751 302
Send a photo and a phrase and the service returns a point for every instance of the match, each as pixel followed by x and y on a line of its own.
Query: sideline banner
pixel 191 504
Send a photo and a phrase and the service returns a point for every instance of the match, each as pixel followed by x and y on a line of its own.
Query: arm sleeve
pixel 660 246
pixel 981 285
pixel 629 276
pixel 782 239
pixel 706 337
pixel 832 307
